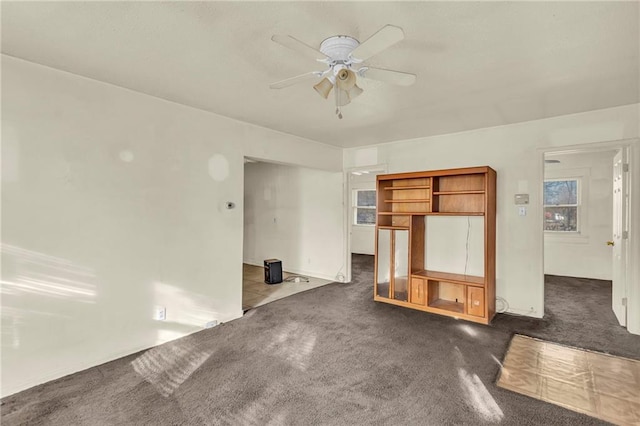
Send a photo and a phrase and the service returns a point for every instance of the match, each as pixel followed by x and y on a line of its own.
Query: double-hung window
pixel 364 207
pixel 562 205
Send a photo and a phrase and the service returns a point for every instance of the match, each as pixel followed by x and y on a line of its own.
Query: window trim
pixel 355 207
pixel 577 205
pixel 584 174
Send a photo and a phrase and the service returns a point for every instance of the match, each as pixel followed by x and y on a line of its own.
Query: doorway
pixel 360 216
pixel 585 274
pixel 292 214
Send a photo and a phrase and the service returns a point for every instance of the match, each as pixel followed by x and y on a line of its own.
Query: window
pixel 364 209
pixel 561 205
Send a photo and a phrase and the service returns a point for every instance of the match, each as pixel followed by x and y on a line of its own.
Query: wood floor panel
pixel 600 385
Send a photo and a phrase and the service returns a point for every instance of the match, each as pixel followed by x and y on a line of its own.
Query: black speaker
pixel 272 271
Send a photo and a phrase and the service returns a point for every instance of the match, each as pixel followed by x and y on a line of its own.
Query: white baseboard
pixel 313 274
pixel 58 373
pixel 524 312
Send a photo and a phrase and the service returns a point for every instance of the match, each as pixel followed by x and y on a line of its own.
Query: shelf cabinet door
pixel 392 264
pixel 418 292
pixel 475 301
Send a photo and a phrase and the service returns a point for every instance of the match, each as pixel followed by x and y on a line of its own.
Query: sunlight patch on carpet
pixel 479 398
pixel 166 367
pixel 600 385
pixel 293 342
pixel 468 329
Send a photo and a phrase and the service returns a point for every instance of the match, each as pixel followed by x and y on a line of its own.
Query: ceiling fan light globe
pixel 324 87
pixel 342 97
pixel 354 92
pixel 346 79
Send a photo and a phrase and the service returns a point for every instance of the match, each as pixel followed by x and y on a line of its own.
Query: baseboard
pixel 523 312
pixel 62 372
pixel 296 271
pixel 576 276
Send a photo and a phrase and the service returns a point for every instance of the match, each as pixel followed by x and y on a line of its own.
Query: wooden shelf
pixel 408 201
pixel 448 305
pixel 429 309
pixel 454 213
pixel 457 192
pixel 402 213
pixel 451 278
pixel 393 188
pixel 425 213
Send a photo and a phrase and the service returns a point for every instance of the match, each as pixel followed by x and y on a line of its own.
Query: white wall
pixel 585 254
pixel 514 151
pixel 455 244
pixel 294 214
pixel 113 203
pixel 362 236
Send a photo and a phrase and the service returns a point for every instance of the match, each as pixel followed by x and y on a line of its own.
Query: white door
pixel 618 242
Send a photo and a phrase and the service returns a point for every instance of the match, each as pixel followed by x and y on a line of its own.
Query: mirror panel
pixel 384 263
pixel 401 265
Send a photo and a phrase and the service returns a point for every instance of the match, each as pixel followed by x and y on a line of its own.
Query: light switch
pixel 522 211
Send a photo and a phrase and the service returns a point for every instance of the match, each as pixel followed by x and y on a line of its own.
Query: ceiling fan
pixel 342 54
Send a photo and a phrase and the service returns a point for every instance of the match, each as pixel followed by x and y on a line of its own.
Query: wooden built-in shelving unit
pixel 404 201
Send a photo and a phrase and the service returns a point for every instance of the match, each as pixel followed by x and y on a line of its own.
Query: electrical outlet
pixel 160 313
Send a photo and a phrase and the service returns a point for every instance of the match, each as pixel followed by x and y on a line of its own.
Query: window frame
pixel 355 207
pixel 578 205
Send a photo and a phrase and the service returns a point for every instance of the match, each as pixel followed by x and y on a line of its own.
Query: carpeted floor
pixel 331 356
pixel 577 313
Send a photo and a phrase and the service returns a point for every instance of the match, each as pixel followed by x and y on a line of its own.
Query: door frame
pixel 632 147
pixel 378 169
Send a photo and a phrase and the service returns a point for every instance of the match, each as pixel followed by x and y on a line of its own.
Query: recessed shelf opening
pixel 446 296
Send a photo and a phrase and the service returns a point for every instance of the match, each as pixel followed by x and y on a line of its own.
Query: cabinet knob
pixel 611 243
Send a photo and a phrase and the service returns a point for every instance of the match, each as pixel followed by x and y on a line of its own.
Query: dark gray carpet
pixel 577 313
pixel 329 356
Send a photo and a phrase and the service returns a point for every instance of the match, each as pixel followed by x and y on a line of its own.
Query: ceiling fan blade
pixel 294 80
pixel 300 47
pixel 385 37
pixel 388 76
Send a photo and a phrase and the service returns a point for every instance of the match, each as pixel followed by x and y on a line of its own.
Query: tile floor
pixel 255 292
pixel 596 384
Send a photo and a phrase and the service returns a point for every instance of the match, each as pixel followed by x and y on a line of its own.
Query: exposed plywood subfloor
pixel 255 292
pixel 596 384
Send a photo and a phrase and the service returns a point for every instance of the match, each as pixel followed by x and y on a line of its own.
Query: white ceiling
pixel 479 64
